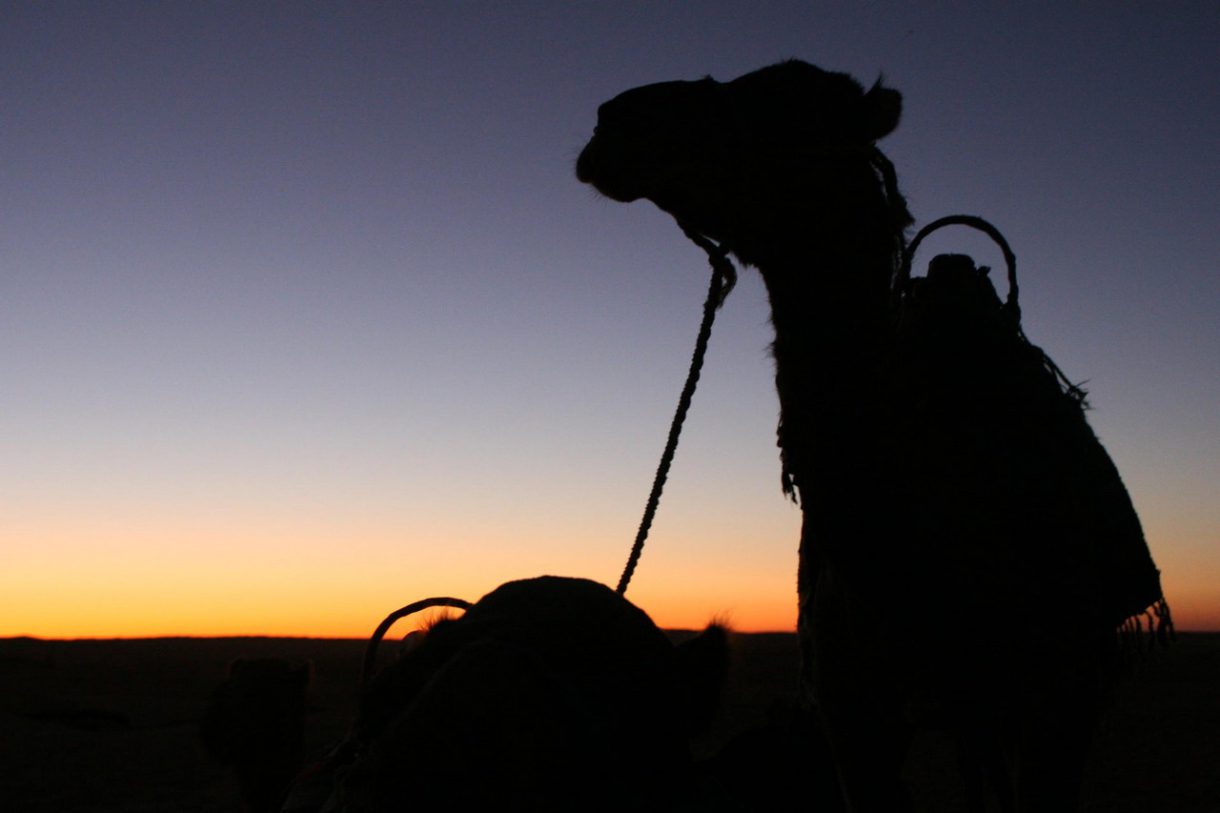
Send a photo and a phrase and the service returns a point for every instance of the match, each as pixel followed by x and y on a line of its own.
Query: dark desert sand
pixel 112 725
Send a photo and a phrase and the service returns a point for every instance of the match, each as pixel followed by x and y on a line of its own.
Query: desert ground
pixel 111 725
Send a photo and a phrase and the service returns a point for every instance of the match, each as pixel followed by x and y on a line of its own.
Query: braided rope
pixel 724 277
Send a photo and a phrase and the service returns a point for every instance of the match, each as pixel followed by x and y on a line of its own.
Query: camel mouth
pixel 591 169
pixel 585 161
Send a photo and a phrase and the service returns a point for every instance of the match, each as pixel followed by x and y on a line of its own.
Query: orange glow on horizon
pixel 300 618
pixel 57 629
pixel 69 582
pixel 348 614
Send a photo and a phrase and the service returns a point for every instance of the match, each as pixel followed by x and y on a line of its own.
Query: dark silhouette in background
pixel 968 550
pixel 255 723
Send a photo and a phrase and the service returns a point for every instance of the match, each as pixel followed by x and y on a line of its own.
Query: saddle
pixel 992 424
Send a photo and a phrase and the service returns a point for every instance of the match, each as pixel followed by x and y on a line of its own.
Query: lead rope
pixel 724 277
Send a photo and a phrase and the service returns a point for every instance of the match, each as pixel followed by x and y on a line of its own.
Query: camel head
pixel 741 161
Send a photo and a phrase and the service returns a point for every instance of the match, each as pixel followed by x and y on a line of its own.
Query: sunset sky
pixel 304 315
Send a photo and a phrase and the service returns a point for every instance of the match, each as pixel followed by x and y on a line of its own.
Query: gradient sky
pixel 303 314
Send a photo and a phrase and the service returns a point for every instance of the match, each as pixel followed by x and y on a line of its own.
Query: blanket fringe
pixel 1145 631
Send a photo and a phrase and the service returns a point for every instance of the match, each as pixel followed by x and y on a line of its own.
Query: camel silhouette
pixel 967 549
pixel 548 694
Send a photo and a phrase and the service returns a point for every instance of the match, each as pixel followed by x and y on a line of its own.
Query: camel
pixel 957 567
pixel 548 694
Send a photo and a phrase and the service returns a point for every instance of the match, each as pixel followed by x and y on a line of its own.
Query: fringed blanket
pixel 989 431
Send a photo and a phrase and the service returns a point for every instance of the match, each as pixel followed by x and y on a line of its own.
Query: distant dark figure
pixel 549 694
pixel 968 550
pixel 255 723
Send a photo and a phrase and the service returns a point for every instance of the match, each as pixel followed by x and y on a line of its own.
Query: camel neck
pixel 830 306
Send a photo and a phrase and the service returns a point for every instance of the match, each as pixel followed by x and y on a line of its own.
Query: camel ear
pixel 882 109
pixel 703 665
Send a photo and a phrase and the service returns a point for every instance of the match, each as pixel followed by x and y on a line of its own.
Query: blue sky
pixel 303 313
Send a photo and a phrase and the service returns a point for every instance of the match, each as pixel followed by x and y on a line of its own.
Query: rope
pixel 724 277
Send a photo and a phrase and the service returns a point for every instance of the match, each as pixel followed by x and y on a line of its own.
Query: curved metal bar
pixel 370 651
pixel 974 222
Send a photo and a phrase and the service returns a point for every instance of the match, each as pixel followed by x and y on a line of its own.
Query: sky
pixel 304 315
